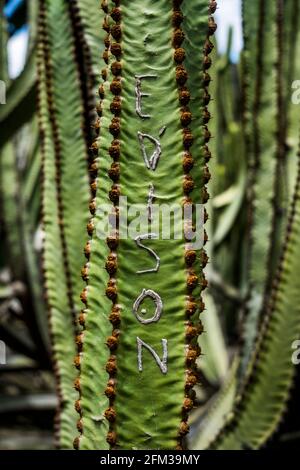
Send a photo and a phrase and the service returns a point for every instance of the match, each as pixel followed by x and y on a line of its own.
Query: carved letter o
pixel 158 309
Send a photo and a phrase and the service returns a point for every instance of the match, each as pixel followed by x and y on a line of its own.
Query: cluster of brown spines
pixel 112 25
pixel 194 327
pixel 44 67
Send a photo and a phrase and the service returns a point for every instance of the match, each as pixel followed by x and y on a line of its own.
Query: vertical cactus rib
pixel 280 199
pixel 248 68
pixel 258 86
pixel 263 138
pixel 65 207
pixel 260 127
pixel 251 62
pixel 69 112
pixel 114 193
pixel 50 191
pixel 57 153
pixel 291 41
pixel 92 426
pixel 150 361
pixel 193 113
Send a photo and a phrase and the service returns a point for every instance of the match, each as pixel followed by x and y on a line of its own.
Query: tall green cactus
pixel 261 403
pixel 64 112
pixel 148 148
pixel 262 109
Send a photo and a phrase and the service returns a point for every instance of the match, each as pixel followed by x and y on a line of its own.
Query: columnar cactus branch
pixel 65 204
pixel 85 68
pixel 151 350
pixel 47 149
pixel 261 403
pixel 260 126
pixel 45 49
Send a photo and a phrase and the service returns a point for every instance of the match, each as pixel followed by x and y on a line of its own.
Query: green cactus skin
pixel 145 402
pixel 60 322
pixel 262 401
pixel 65 204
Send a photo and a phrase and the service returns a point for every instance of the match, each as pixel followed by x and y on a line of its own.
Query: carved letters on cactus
pixel 152 161
pixel 158 310
pixel 151 164
pixel 148 236
pixel 139 95
pixel 163 364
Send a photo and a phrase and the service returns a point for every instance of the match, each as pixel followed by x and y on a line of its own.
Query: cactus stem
pixel 111 263
pixel 193 329
pixel 114 193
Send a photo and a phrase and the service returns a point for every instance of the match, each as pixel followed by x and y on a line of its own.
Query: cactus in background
pixel 64 109
pixel 261 120
pixel 248 417
pixel 261 402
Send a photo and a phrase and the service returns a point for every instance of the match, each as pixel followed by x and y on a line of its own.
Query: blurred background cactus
pixel 247 395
